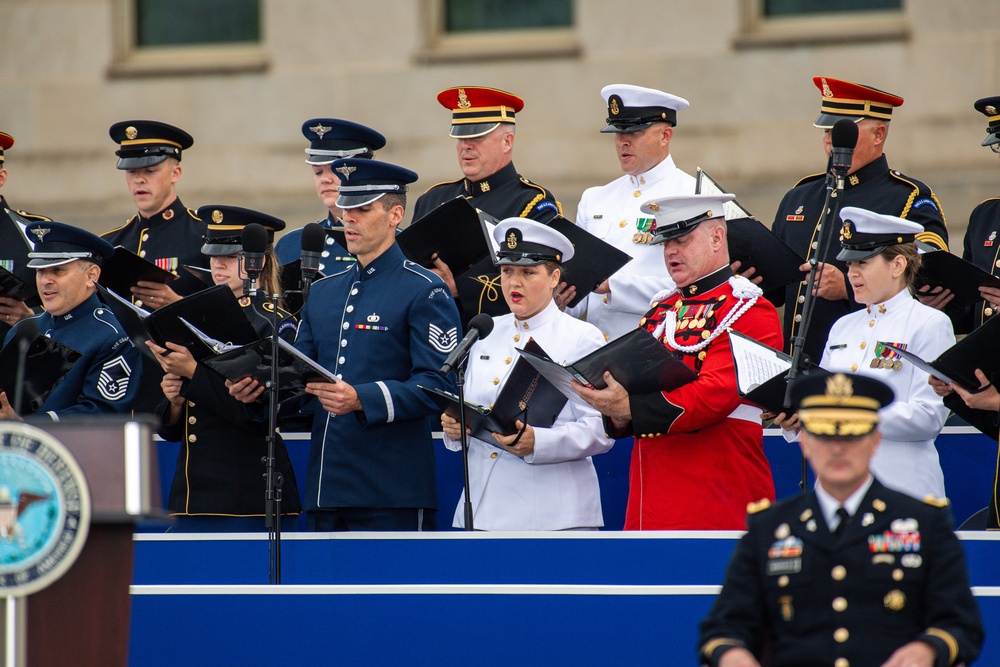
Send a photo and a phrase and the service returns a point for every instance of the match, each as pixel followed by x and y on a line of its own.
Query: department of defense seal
pixel 44 509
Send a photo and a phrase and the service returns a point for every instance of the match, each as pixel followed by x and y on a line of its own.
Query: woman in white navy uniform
pixel 882 264
pixel 546 481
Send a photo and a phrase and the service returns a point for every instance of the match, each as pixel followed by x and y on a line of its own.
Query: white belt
pixel 748 413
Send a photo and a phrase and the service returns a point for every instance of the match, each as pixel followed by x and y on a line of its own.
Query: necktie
pixel 845 518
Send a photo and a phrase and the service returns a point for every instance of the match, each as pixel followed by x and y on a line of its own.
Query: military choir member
pixel 642 121
pixel 482 124
pixel 850 572
pixel 539 478
pixel 698 457
pixel 871 184
pixel 105 379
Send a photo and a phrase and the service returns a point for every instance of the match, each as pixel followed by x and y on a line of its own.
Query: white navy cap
pixel 866 234
pixel 633 108
pixel 525 242
pixel 678 215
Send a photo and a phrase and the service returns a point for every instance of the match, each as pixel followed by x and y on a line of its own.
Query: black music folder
pixel 124 269
pixel 593 261
pixel 214 311
pixel 254 360
pixel 940 268
pixel 526 396
pixel 959 362
pixel 454 230
pixel 203 275
pixel 45 365
pixel 762 371
pixel 290 276
pixel 636 360
pixel 19 287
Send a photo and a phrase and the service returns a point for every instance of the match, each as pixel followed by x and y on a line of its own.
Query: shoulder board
pixel 193 214
pixel 808 179
pixel 437 185
pixel 33 216
pixel 912 182
pixel 759 506
pixel 936 502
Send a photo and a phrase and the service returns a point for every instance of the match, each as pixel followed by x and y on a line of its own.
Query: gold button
pixel 606 338
pixel 798 318
pixel 840 635
pixel 517 337
pixel 493 455
pixel 998 263
pixel 622 223
pixel 841 662
pixel 642 322
pixel 496 380
pixel 192 438
pixel 802 298
pixel 138 302
pixel 192 420
pixel 987 311
pixel 782 581
pixel 839 604
pixel 897 574
pixel 854 367
pixel 702 355
pixel 637 193
pixel 605 298
pixel 705 334
pixel 190 404
pixel 507 360
pixel 863 345
pixel 145 237
pixel 838 573
pixel 871 323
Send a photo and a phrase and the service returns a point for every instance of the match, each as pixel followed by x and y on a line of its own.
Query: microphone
pixel 479 327
pixel 313 242
pixel 254 240
pixel 844 137
pixel 25 335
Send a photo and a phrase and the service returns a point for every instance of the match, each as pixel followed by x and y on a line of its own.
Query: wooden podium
pixel 83 618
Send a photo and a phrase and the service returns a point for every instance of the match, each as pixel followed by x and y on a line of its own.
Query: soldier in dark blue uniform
pixel 850 573
pixel 164 231
pixel 384 326
pixel 330 139
pixel 870 185
pixel 14 248
pixel 105 379
pixel 483 121
pixel 219 482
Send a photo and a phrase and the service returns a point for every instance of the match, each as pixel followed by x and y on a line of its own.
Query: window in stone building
pixel 781 22
pixel 467 30
pixel 187 36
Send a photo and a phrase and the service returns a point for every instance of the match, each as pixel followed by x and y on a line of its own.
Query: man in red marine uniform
pixel 698 458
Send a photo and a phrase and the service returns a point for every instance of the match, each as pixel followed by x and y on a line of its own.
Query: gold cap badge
pixel 216 216
pixel 511 241
pixel 131 132
pixel 463 100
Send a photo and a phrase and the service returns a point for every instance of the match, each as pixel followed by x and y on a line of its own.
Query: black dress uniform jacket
pixel 219 466
pixel 982 248
pixel 14 248
pixel 505 194
pixel 895 574
pixel 873 187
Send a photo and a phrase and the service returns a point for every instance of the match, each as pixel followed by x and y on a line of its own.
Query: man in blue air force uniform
pixel 106 377
pixel 384 326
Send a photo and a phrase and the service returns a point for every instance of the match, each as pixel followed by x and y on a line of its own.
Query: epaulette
pixel 534 202
pixel 759 506
pixel 437 185
pixel 936 502
pixel 808 179
pixel 194 214
pixel 33 216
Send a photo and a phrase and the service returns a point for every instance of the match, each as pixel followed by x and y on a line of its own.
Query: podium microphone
pixel 313 242
pixel 25 335
pixel 844 137
pixel 254 240
pixel 479 327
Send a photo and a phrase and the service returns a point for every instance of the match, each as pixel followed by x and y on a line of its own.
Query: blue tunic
pixel 106 378
pixel 335 257
pixel 385 328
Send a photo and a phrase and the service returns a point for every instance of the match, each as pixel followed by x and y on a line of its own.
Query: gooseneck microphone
pixel 479 327
pixel 844 137
pixel 254 239
pixel 313 242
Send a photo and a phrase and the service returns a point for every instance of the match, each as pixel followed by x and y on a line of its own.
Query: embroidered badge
pixel 925 201
pixel 112 383
pixel 441 340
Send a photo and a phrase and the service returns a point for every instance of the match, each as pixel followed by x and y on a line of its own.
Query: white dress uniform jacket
pixel 906 460
pixel 556 487
pixel 611 213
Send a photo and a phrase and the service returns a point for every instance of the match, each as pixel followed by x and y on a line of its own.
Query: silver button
pixel 354 291
pixel 798 318
pixel 350 309
pixel 802 298
pixel 341 360
pixel 347 325
pixel 326 253
pixel 329 240
pixel 322 266
pixel 343 342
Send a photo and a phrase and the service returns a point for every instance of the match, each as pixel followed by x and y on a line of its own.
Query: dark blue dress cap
pixel 990 107
pixel 224 235
pixel 364 181
pixel 58 243
pixel 331 139
pixel 143 143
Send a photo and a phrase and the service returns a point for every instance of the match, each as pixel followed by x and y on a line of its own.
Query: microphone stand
pixel 460 384
pixel 275 480
pixel 831 211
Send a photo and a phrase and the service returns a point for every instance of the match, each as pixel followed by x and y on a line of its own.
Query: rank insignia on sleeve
pixel 441 340
pixel 112 383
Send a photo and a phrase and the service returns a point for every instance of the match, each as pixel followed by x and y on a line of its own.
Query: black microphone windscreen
pixel 254 238
pixel 313 237
pixel 482 323
pixel 844 134
pixel 28 328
